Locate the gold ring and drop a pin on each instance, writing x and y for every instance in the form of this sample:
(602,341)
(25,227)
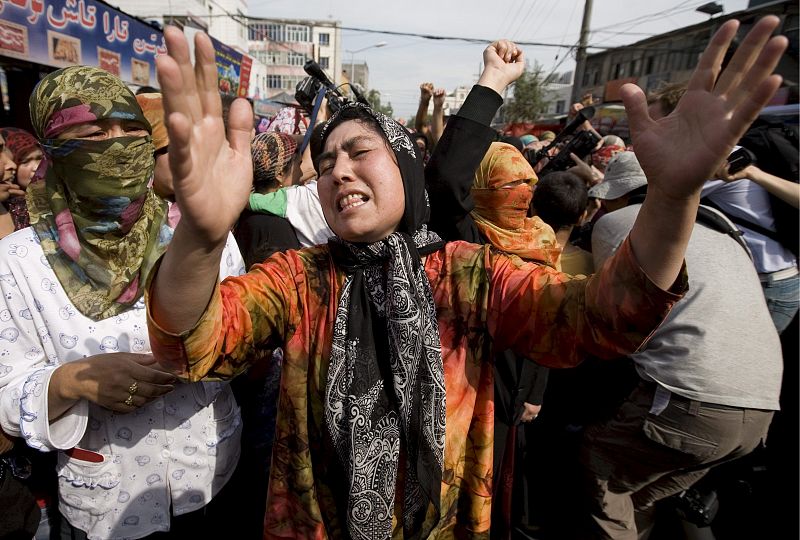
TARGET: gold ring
(129,401)
(132,389)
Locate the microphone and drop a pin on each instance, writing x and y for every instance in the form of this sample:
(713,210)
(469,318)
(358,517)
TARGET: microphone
(587,113)
(315,70)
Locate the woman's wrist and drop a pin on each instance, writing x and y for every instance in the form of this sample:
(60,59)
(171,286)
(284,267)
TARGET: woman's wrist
(64,384)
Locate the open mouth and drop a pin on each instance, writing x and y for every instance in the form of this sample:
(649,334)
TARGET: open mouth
(351,201)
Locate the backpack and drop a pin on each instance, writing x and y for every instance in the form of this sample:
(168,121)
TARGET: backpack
(775,145)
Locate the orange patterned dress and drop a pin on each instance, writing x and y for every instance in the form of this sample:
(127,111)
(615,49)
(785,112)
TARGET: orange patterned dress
(483,298)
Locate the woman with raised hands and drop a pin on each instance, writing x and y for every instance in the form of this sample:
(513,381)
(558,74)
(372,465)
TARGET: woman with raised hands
(385,413)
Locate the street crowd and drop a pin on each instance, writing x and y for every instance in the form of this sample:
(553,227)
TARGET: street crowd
(216,328)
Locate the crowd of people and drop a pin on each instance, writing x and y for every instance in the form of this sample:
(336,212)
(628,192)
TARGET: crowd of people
(368,332)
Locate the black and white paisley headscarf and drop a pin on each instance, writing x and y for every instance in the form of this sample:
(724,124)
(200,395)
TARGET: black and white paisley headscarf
(385,393)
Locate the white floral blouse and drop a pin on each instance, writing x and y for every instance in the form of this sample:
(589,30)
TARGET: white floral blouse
(177,451)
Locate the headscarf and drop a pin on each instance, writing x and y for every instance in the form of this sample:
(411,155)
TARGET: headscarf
(271,151)
(527,139)
(285,121)
(547,136)
(99,225)
(500,212)
(153,108)
(20,143)
(603,155)
(385,385)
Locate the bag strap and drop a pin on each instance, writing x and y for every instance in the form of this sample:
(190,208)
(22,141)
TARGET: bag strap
(755,227)
(713,220)
(719,223)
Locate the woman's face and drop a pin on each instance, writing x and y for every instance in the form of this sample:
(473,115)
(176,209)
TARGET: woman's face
(360,187)
(9,167)
(100,130)
(27,166)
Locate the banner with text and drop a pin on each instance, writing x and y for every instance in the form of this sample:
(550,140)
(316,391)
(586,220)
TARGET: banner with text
(64,33)
(233,67)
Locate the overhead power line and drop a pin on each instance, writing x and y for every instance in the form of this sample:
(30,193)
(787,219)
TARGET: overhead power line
(469,39)
(454,38)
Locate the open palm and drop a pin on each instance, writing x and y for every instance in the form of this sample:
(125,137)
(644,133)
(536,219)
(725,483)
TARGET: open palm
(212,174)
(680,151)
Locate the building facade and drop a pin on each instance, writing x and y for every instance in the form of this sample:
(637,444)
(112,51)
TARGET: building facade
(671,57)
(284,46)
(557,93)
(225,20)
(360,75)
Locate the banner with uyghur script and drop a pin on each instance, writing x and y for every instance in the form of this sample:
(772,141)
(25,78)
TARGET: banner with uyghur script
(64,33)
(233,67)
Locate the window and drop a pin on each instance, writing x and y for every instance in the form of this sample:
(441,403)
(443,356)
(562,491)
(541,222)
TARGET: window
(297,34)
(675,60)
(275,58)
(260,56)
(276,32)
(324,62)
(274,81)
(561,106)
(290,83)
(324,40)
(256,32)
(648,65)
(635,66)
(296,59)
(618,71)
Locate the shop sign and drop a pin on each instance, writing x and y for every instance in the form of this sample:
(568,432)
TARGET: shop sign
(233,67)
(62,33)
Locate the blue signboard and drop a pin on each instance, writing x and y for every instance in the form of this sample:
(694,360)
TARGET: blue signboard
(63,33)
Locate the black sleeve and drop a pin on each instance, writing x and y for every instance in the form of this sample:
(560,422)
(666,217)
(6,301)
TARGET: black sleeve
(451,170)
(533,382)
(261,235)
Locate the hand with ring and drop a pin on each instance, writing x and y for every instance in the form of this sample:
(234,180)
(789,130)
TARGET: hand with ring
(117,381)
(132,389)
(530,413)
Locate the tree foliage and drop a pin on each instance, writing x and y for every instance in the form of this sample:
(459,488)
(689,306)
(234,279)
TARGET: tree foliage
(374,98)
(529,101)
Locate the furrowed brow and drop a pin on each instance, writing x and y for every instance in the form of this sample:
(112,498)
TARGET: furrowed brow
(347,146)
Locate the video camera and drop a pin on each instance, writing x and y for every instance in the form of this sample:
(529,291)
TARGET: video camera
(581,145)
(307,90)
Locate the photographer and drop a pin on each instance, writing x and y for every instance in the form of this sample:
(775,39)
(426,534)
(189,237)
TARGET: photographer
(578,138)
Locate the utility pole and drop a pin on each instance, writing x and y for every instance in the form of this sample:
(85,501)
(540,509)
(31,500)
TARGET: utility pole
(580,57)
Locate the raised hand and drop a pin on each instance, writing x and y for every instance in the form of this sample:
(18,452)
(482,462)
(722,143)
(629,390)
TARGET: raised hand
(584,171)
(680,151)
(438,98)
(503,63)
(425,91)
(212,174)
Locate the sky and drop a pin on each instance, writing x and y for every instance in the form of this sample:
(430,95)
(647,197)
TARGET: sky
(398,68)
